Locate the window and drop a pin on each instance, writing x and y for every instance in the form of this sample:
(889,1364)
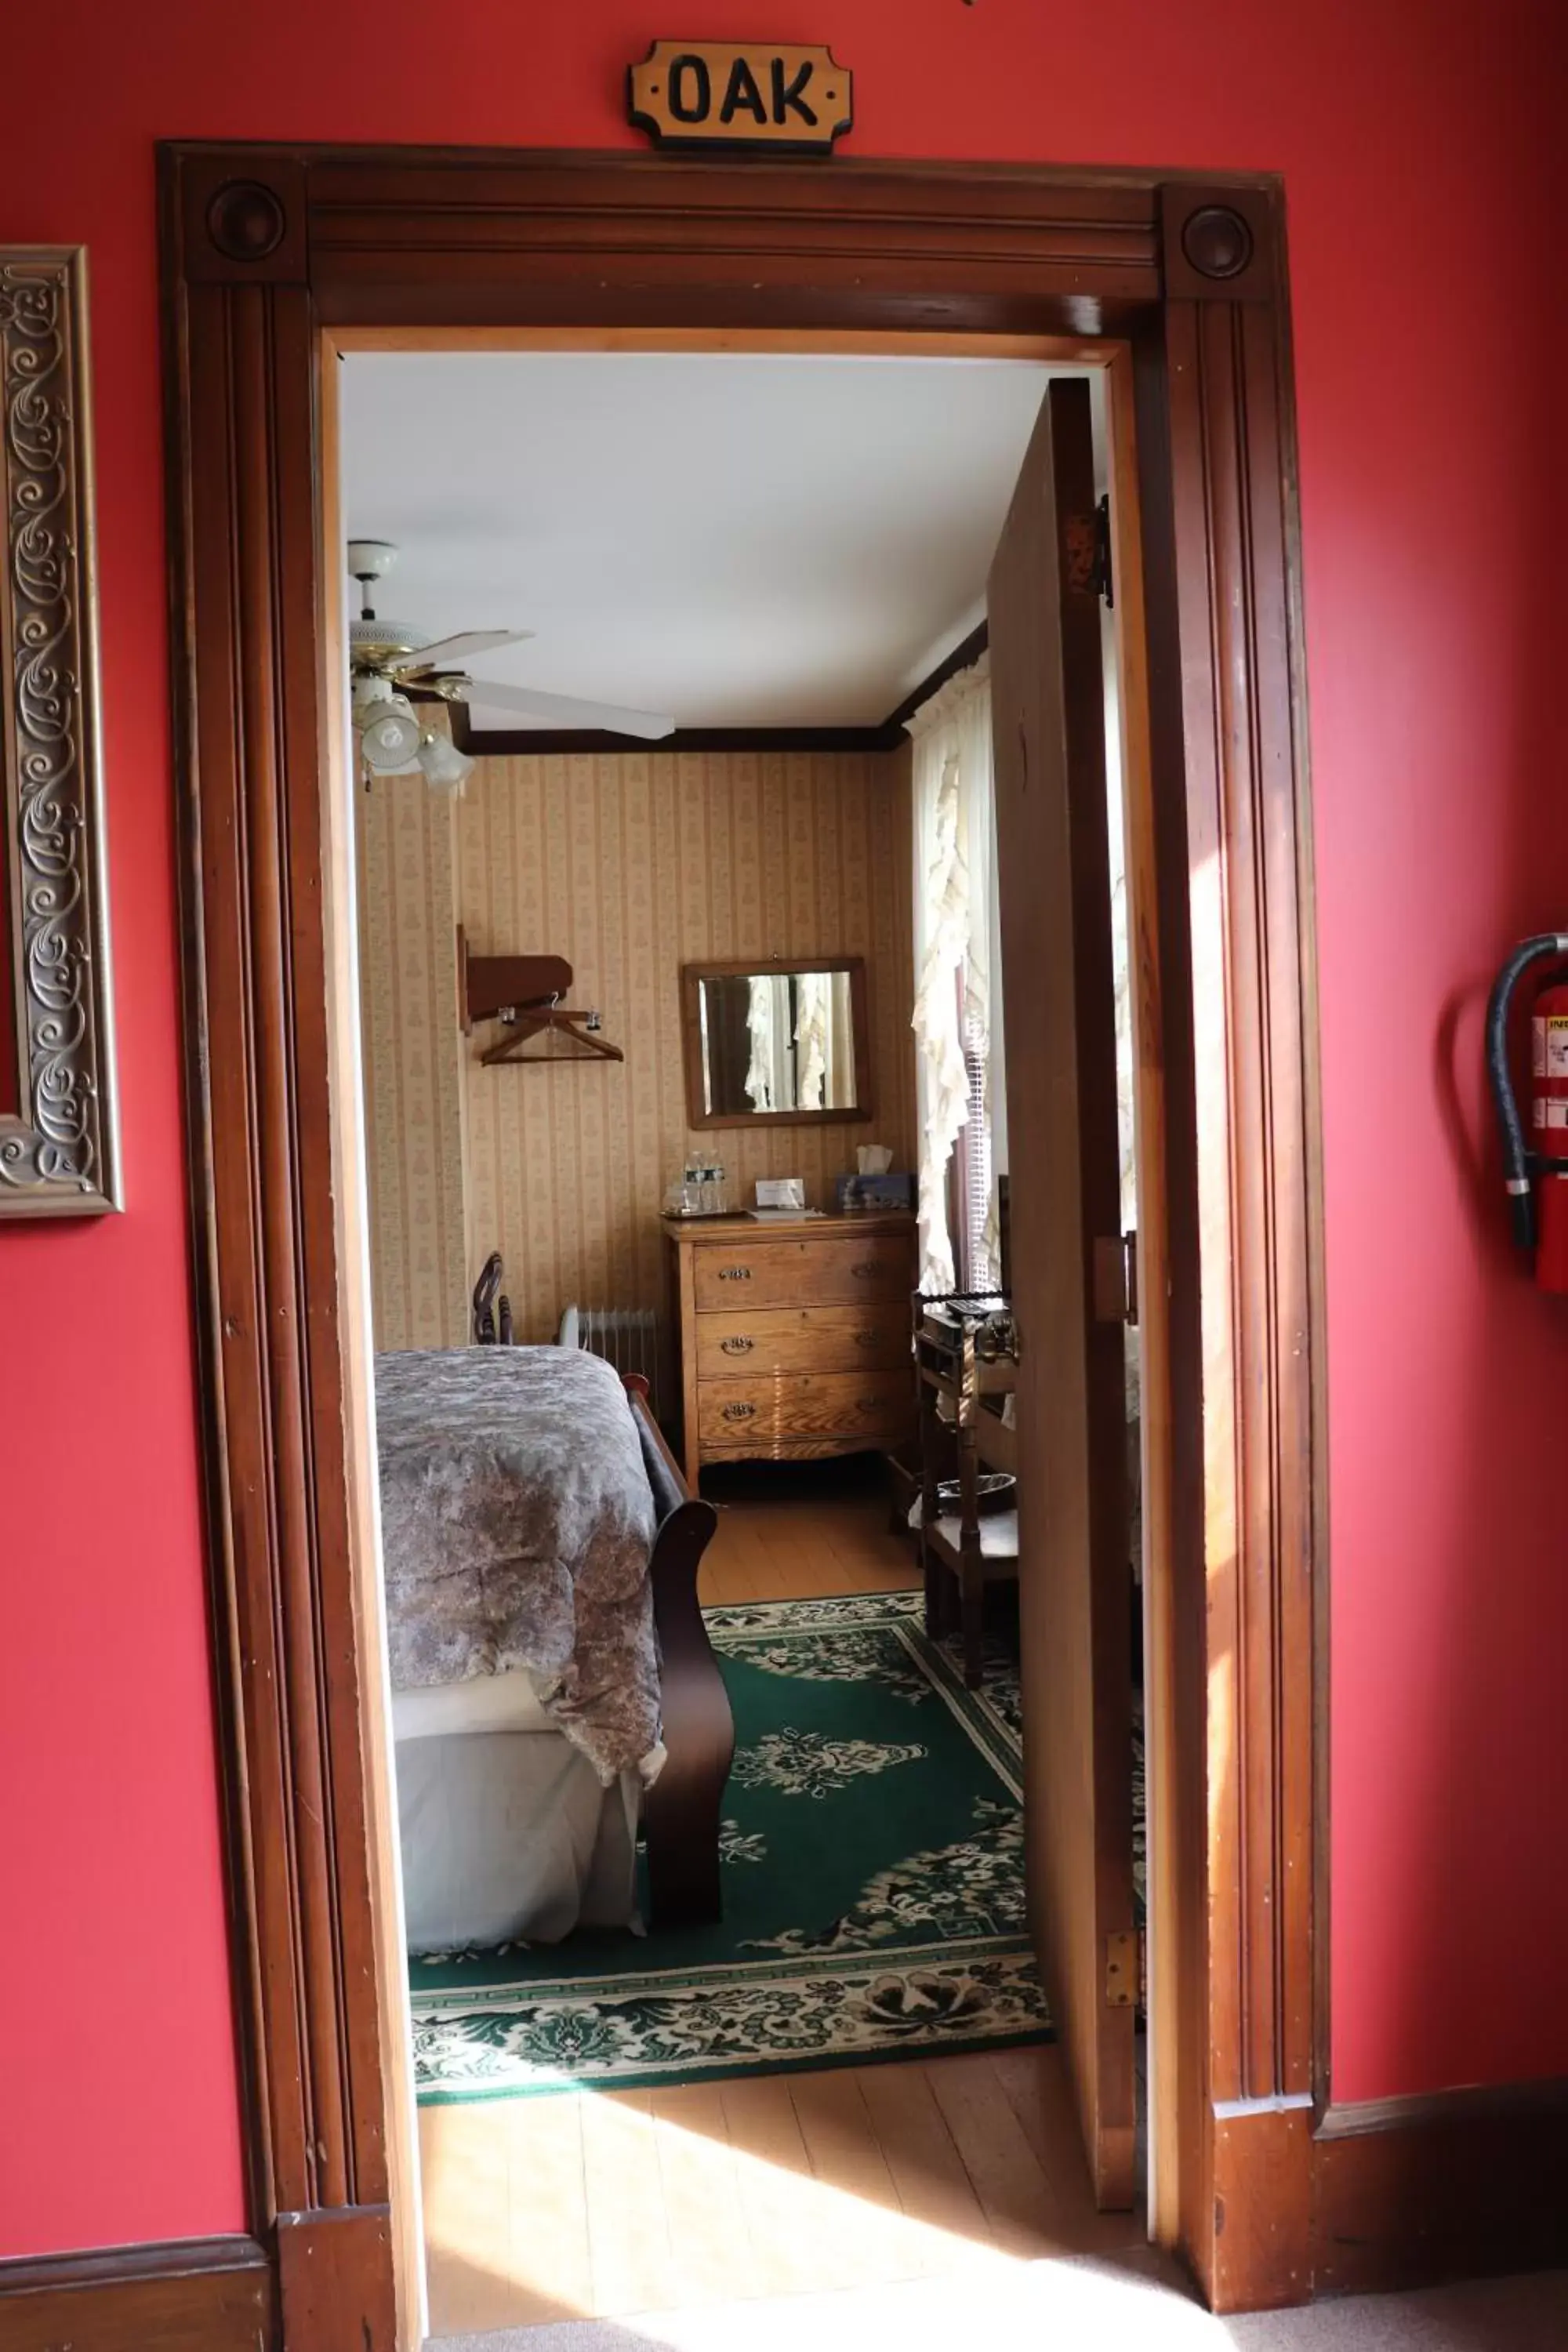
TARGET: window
(971,1204)
(954,948)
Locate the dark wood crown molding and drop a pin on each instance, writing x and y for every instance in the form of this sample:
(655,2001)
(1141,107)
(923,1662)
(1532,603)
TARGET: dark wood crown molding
(541,742)
(888,735)
(964,656)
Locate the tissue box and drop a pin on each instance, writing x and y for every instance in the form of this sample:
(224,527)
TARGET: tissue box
(890,1192)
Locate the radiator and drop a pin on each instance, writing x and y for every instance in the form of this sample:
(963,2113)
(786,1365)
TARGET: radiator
(630,1337)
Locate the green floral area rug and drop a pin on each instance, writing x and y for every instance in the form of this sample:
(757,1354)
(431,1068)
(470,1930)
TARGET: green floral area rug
(873,1870)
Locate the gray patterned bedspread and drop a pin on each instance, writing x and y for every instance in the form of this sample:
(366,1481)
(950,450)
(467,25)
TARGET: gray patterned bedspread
(517,1521)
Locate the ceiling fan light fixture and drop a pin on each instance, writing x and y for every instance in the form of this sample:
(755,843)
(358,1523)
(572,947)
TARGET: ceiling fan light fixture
(390,735)
(385,655)
(371,559)
(444,768)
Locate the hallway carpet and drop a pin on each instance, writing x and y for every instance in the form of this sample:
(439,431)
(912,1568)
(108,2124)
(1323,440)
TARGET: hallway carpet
(1131,2305)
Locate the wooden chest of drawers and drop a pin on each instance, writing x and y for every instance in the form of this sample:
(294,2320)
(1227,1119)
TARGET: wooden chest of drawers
(795,1338)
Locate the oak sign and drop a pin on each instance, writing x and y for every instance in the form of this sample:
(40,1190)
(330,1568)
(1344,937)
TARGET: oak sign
(735,94)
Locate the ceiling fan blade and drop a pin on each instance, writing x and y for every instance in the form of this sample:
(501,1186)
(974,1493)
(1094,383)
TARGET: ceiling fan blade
(564,710)
(455,649)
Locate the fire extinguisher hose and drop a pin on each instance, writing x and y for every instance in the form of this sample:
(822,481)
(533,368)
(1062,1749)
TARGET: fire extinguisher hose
(1516,1154)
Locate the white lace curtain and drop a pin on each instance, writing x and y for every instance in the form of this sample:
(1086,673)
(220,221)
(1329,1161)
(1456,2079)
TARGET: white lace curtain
(814,1041)
(818,1032)
(956,954)
(769,1083)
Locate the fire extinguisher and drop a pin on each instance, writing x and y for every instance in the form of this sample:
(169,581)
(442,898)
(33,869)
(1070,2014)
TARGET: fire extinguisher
(1536,1170)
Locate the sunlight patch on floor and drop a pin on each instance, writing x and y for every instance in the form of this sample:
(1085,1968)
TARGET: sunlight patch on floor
(601,2205)
(1065,2305)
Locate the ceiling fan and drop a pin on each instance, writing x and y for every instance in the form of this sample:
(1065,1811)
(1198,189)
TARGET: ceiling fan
(392,665)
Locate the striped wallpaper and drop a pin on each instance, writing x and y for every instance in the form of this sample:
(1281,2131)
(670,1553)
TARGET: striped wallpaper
(416,1146)
(630,866)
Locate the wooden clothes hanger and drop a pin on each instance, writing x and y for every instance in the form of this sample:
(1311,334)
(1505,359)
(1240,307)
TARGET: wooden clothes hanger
(525,993)
(550,1018)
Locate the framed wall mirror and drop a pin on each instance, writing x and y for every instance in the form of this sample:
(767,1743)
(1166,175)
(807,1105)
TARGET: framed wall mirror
(776,1040)
(57,1144)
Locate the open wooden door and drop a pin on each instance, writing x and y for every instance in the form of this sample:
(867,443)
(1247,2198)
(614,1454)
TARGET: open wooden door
(1067,1270)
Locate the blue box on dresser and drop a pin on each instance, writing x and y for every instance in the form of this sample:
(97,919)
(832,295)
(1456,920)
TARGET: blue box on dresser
(888,1192)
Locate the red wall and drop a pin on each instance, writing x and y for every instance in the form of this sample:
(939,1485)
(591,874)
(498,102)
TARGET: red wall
(1441,835)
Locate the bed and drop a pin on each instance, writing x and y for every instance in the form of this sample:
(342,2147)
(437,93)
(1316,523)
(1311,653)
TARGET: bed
(555,1693)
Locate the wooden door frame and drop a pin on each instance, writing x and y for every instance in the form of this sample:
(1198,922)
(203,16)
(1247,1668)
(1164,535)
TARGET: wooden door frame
(263,248)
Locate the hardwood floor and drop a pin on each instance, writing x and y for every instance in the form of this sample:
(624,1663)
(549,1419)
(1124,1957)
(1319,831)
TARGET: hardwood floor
(784,1534)
(613,2202)
(622,2201)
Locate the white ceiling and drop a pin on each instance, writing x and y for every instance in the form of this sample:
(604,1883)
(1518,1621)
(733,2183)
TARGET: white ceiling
(742,540)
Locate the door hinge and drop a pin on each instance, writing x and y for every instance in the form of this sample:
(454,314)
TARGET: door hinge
(1104,578)
(1116,1278)
(1123,1969)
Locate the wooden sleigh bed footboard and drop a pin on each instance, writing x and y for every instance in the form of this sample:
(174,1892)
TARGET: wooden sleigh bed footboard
(681,1811)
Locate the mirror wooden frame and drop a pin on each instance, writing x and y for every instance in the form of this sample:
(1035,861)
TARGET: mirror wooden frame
(692,976)
(60,1154)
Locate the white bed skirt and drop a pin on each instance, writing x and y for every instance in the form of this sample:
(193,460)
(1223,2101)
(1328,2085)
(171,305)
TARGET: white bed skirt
(507,1833)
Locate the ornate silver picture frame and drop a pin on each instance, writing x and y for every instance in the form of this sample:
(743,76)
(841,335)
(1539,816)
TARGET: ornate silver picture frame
(58,1144)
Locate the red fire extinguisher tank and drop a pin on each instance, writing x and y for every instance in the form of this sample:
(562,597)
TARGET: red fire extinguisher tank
(1549,1124)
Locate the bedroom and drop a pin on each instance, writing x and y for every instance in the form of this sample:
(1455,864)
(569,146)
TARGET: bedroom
(811,625)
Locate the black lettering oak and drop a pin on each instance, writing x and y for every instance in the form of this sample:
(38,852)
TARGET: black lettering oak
(776,96)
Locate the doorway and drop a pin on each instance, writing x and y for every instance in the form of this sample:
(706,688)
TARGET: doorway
(469,1159)
(264,252)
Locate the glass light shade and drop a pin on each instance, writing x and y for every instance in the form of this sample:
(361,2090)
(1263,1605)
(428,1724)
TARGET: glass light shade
(390,736)
(447,770)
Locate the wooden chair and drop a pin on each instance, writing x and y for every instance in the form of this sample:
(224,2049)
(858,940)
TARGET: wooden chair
(968,1365)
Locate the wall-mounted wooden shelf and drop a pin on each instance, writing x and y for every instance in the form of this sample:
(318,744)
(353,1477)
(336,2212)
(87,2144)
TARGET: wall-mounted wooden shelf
(524,992)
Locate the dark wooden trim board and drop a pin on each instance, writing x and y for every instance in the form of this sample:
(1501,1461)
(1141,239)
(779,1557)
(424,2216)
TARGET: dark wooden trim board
(243,357)
(962,656)
(514,742)
(1454,2185)
(1229,745)
(264,248)
(888,735)
(197,2295)
(335,2278)
(1476,2103)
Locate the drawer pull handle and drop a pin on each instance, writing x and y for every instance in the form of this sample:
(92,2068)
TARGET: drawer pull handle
(735,1274)
(864,1271)
(870,1404)
(737,1346)
(739,1411)
(867,1338)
